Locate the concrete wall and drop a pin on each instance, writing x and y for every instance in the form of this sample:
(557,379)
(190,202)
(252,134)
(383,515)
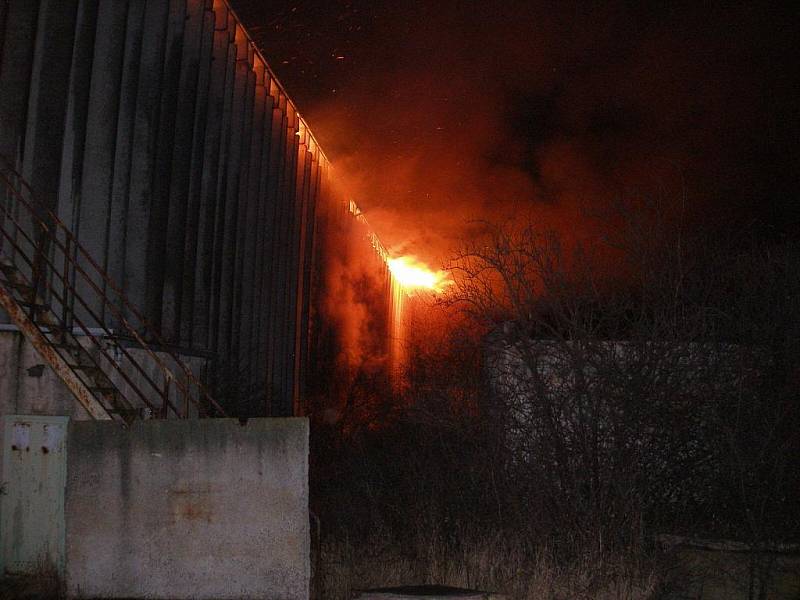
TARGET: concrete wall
(729,570)
(28,386)
(188,509)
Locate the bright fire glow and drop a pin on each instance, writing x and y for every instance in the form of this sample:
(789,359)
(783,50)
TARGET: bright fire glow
(412,274)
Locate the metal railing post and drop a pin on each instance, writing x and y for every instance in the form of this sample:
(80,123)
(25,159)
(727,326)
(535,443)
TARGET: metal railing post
(165,404)
(65,313)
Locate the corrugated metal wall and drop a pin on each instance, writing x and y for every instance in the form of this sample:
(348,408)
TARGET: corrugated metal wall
(160,136)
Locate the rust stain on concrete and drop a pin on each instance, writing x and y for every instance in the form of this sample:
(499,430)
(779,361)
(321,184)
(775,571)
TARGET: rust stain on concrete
(190,503)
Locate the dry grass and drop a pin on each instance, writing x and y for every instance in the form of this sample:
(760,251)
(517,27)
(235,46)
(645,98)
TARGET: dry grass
(486,562)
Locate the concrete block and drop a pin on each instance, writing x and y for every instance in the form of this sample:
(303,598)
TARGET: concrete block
(199,509)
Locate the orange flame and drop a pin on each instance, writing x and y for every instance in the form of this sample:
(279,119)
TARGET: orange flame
(415,275)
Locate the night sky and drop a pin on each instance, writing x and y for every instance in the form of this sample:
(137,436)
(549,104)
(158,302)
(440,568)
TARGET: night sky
(438,113)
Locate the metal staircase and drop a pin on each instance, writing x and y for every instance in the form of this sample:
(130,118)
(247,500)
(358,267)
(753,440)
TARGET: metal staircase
(80,322)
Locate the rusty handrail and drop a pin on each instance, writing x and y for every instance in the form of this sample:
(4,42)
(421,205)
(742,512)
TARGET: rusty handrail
(50,230)
(66,330)
(86,330)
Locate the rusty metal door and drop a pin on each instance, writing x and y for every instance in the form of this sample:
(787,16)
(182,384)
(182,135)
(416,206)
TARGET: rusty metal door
(32,505)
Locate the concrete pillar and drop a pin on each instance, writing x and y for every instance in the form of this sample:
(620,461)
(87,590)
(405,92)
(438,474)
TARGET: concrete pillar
(181,163)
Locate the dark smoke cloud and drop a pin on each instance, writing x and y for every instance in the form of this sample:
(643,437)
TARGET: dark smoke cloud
(437,113)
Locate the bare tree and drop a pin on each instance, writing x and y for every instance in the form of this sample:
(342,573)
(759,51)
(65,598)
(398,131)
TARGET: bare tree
(629,369)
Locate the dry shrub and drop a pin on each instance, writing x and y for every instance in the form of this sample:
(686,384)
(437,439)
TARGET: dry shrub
(488,561)
(664,401)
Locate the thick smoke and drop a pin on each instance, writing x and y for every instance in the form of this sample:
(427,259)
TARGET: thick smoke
(355,302)
(439,113)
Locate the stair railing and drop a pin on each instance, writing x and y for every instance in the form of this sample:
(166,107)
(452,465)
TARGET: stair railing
(54,271)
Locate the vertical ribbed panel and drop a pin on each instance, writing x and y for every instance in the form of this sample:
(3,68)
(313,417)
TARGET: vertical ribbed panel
(204,127)
(241,234)
(268,288)
(308,289)
(182,145)
(77,108)
(44,129)
(218,95)
(275,279)
(143,153)
(221,194)
(163,168)
(229,215)
(19,41)
(93,207)
(45,114)
(123,154)
(304,165)
(249,226)
(286,275)
(260,259)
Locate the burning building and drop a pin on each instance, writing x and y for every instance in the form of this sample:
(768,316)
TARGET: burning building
(168,216)
(173,245)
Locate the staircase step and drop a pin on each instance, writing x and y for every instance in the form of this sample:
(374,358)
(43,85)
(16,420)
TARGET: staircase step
(99,377)
(88,368)
(131,412)
(104,390)
(54,329)
(128,415)
(39,306)
(66,345)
